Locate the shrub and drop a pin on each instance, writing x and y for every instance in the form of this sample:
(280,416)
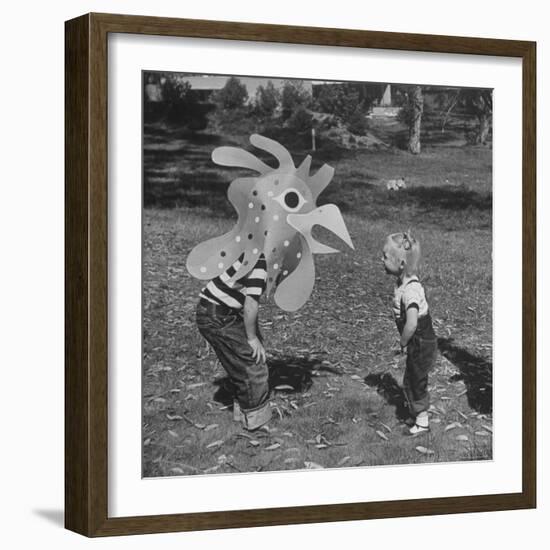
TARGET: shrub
(300,121)
(232,96)
(180,105)
(346,102)
(357,123)
(293,96)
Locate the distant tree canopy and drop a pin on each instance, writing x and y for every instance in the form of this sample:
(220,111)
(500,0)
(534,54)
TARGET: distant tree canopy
(179,105)
(349,101)
(267,100)
(294,95)
(232,96)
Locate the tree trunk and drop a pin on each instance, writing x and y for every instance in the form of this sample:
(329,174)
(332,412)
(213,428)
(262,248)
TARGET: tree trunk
(484,126)
(417,107)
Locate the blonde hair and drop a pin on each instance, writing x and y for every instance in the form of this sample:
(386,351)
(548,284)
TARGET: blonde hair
(407,249)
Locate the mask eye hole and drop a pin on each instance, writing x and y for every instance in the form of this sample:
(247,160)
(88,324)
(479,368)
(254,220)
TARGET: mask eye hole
(291,200)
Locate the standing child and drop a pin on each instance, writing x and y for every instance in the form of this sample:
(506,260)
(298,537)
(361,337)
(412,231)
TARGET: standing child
(401,256)
(227,317)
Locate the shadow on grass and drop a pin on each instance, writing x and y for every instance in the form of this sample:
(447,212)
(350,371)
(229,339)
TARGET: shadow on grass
(386,385)
(205,190)
(476,372)
(450,198)
(284,370)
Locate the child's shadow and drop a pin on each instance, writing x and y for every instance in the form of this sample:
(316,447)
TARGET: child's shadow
(476,372)
(284,370)
(386,385)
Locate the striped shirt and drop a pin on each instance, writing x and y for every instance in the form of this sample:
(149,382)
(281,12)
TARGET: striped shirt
(221,290)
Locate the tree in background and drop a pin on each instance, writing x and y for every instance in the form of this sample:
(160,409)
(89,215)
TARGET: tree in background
(232,96)
(411,115)
(267,100)
(476,102)
(300,121)
(417,108)
(294,95)
(479,102)
(349,101)
(177,105)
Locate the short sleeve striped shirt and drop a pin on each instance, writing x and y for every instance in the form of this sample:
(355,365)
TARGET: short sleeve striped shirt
(221,290)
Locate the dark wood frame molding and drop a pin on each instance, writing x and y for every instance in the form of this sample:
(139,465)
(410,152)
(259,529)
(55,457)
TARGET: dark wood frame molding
(86,274)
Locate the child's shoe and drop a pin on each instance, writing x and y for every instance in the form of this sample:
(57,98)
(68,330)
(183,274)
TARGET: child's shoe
(421,424)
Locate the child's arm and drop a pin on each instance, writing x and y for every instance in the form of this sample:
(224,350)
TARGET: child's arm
(250,315)
(410,326)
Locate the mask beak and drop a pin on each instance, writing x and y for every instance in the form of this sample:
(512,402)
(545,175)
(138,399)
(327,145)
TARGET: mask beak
(329,217)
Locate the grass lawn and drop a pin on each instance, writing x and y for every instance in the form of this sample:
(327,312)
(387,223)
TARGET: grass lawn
(334,370)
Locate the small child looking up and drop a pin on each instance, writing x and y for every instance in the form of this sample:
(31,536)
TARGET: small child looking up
(401,256)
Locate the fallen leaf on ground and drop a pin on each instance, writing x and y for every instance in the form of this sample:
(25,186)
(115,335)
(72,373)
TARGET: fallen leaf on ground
(313,466)
(452,426)
(217,443)
(273,447)
(342,461)
(176,470)
(254,442)
(172,433)
(283,387)
(382,435)
(424,450)
(461,437)
(174,417)
(210,427)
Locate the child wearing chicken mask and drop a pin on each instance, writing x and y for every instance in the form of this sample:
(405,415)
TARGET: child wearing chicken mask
(269,250)
(400,257)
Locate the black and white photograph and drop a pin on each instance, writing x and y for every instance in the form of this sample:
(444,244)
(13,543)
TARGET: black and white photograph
(317,274)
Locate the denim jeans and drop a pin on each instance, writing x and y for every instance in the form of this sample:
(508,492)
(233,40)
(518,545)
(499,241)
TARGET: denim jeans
(421,355)
(225,332)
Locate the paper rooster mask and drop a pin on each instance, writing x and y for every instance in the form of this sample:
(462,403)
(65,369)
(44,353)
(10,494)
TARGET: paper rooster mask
(276,213)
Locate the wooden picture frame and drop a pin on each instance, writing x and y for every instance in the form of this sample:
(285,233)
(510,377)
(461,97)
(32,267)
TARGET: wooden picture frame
(86,283)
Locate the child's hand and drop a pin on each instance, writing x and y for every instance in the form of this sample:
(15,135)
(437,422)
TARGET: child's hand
(397,350)
(258,351)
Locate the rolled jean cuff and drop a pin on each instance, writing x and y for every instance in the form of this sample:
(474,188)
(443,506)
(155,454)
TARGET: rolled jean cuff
(258,416)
